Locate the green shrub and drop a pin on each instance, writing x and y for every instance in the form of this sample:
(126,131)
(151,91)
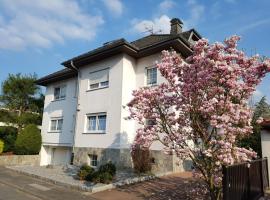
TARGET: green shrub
(93,177)
(105,177)
(8,134)
(28,141)
(2,145)
(87,168)
(85,171)
(104,174)
(82,174)
(141,160)
(109,167)
(100,177)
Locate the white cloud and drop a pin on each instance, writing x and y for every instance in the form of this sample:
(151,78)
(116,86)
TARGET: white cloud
(257,95)
(253,25)
(166,5)
(196,13)
(157,25)
(40,24)
(114,6)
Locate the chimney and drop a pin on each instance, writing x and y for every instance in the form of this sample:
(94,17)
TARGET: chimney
(176,26)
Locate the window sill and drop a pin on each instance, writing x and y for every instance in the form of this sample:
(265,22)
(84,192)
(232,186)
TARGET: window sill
(94,132)
(152,85)
(54,131)
(58,99)
(89,90)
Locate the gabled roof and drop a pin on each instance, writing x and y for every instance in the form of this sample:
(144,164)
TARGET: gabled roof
(139,48)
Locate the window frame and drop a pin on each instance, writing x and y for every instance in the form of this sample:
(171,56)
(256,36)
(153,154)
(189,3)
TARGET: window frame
(57,119)
(96,115)
(91,160)
(150,122)
(99,83)
(146,76)
(60,90)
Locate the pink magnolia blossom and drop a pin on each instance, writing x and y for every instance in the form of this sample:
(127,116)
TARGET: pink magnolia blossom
(204,100)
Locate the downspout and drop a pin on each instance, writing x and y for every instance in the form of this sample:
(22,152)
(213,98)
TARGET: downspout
(77,108)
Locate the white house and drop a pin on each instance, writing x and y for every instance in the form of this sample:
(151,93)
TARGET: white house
(83,120)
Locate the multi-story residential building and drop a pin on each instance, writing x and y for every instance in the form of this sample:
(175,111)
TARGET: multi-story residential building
(83,118)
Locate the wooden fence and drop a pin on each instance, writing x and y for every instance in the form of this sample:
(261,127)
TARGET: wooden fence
(245,181)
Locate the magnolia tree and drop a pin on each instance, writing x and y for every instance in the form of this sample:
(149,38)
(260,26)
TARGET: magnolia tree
(202,109)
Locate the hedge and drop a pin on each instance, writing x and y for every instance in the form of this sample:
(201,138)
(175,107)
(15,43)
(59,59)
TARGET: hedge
(28,141)
(8,134)
(1,146)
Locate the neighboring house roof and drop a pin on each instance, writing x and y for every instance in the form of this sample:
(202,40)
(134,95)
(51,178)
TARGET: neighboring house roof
(265,124)
(142,47)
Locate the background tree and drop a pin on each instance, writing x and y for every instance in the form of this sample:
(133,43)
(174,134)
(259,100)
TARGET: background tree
(261,109)
(22,99)
(202,108)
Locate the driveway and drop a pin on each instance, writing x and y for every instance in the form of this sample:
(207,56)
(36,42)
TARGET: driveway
(21,187)
(173,187)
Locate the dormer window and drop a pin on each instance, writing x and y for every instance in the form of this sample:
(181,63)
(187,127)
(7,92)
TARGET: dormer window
(60,92)
(151,76)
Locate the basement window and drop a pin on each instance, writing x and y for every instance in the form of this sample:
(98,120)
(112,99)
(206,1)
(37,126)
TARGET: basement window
(93,160)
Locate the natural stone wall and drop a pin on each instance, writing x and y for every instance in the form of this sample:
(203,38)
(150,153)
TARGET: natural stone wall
(122,159)
(19,160)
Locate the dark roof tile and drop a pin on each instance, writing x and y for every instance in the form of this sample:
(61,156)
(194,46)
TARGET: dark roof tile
(114,47)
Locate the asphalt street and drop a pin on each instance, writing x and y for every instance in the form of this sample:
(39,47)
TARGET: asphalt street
(15,186)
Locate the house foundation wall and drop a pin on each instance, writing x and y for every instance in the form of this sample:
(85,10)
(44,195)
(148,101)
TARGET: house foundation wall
(163,163)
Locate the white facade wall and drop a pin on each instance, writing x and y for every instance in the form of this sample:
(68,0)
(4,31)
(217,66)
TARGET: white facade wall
(142,64)
(65,108)
(106,100)
(125,75)
(128,85)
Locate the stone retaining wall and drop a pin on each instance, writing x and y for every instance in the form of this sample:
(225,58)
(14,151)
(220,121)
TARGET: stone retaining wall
(163,163)
(11,160)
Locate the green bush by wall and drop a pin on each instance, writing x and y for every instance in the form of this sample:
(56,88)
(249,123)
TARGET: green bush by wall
(1,146)
(28,141)
(8,134)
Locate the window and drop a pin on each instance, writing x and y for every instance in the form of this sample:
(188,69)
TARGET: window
(99,79)
(150,122)
(96,123)
(56,124)
(93,160)
(151,76)
(59,92)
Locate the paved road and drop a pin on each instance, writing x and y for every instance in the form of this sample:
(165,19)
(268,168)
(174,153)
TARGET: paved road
(15,186)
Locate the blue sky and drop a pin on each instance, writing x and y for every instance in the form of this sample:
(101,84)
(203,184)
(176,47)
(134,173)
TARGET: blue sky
(37,35)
